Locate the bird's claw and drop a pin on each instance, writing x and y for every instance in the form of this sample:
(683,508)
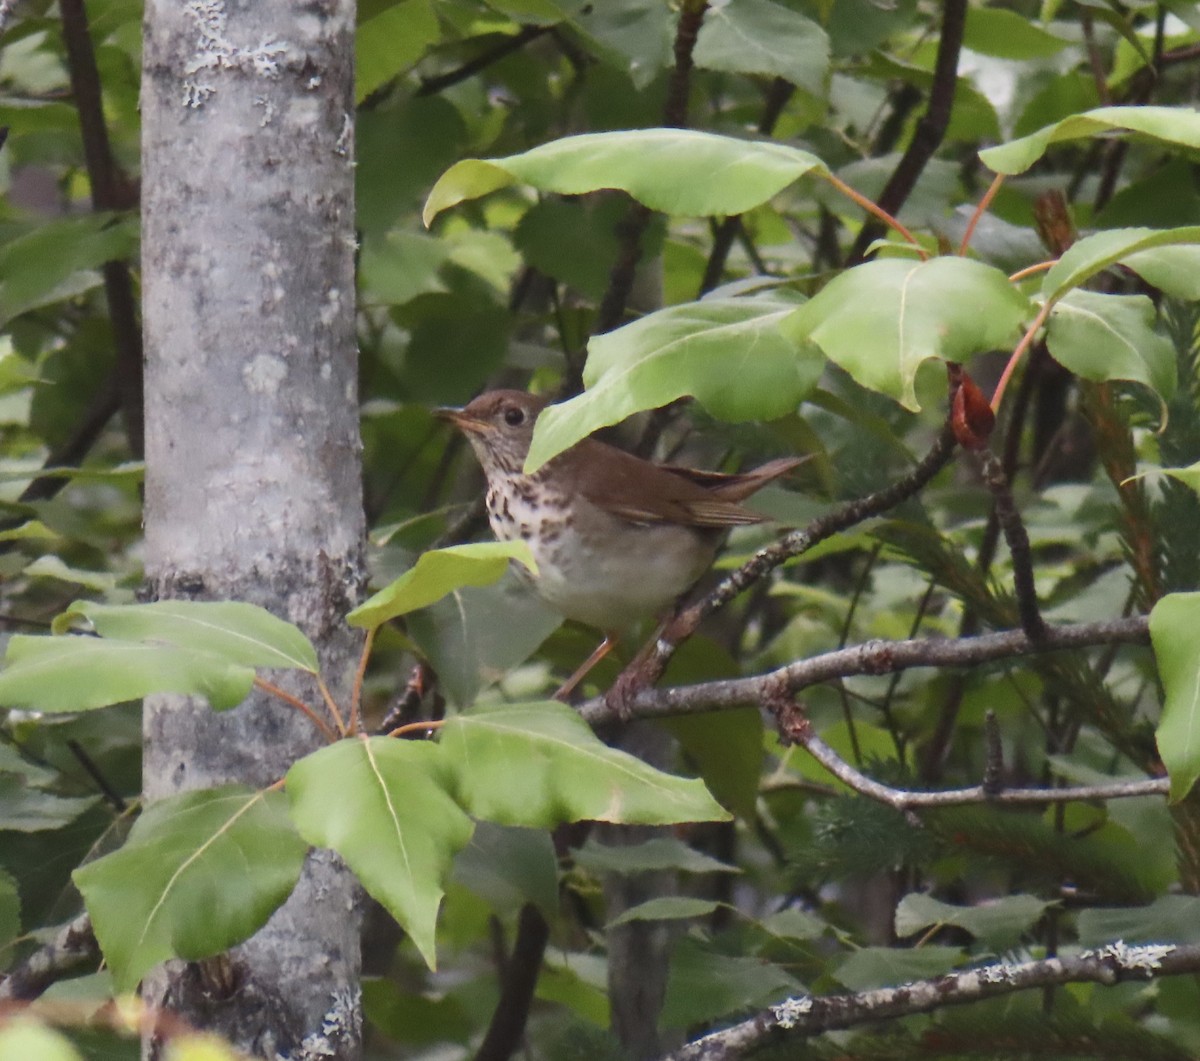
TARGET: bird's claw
(622,693)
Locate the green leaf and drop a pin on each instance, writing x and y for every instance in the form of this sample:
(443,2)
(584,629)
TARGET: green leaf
(476,635)
(1102,337)
(391,42)
(1169,919)
(396,267)
(666,908)
(232,630)
(31,530)
(201,1046)
(726,749)
(80,673)
(1189,476)
(10,916)
(566,773)
(200,872)
(380,804)
(661,852)
(1097,252)
(415,1020)
(881,320)
(704,984)
(793,923)
(579,982)
(695,350)
(594,224)
(509,867)
(1173,624)
(27,809)
(1009,35)
(529,12)
(53,567)
(437,573)
(871,967)
(630,36)
(1173,270)
(58,259)
(725,175)
(23,1038)
(761,37)
(999,922)
(1174,126)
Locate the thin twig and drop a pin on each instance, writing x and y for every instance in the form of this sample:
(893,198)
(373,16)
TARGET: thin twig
(933,753)
(1019,549)
(359,674)
(632,227)
(877,210)
(904,799)
(1095,59)
(104,405)
(777,97)
(1015,359)
(993,770)
(430,86)
(109,192)
(1031,270)
(650,663)
(298,704)
(331,703)
(980,210)
(114,798)
(420,678)
(417,727)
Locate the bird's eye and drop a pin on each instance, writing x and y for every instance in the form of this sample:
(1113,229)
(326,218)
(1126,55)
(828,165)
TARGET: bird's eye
(514,416)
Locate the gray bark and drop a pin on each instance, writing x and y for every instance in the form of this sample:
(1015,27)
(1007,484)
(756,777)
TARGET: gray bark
(639,952)
(252,446)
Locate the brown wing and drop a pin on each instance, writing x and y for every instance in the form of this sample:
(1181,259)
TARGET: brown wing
(739,485)
(642,492)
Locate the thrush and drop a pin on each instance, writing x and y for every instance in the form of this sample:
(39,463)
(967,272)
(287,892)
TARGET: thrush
(616,538)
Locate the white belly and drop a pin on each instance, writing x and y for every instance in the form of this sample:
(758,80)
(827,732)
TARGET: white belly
(611,575)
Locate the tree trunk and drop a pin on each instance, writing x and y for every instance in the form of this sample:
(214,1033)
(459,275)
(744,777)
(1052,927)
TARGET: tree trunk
(252,446)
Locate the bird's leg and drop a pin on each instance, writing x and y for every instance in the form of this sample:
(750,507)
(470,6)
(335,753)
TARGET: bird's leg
(602,650)
(632,680)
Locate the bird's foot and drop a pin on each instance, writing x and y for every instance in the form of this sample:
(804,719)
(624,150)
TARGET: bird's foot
(623,692)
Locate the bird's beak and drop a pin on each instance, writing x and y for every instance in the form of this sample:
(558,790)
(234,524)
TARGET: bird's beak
(460,419)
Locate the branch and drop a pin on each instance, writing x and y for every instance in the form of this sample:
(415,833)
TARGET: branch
(430,86)
(806,1015)
(507,1026)
(795,728)
(931,129)
(633,226)
(73,948)
(114,798)
(777,97)
(109,192)
(105,404)
(933,754)
(871,657)
(650,663)
(1019,550)
(675,107)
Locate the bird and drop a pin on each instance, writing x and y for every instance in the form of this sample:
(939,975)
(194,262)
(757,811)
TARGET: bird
(616,539)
